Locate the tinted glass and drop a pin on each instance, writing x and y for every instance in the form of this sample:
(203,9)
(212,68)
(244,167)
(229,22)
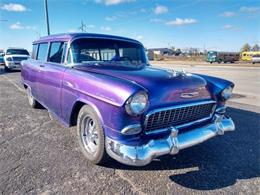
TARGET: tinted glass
(34,51)
(17,52)
(57,52)
(42,52)
(107,50)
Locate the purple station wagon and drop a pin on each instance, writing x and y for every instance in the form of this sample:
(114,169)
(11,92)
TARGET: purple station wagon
(123,107)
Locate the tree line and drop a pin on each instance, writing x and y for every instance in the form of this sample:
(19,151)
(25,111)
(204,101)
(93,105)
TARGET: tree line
(247,47)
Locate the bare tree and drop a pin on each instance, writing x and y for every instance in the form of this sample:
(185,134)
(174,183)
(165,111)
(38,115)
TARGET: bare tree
(246,47)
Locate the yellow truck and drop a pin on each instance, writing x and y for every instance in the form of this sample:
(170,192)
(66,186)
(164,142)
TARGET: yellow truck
(247,55)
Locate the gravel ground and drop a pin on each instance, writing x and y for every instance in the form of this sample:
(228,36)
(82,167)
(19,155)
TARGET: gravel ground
(39,156)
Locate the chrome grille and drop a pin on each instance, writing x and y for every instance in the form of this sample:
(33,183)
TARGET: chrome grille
(178,115)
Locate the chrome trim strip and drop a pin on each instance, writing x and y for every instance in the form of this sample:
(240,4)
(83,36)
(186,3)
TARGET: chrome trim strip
(179,106)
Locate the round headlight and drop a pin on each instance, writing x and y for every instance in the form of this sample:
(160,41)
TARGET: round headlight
(9,59)
(226,93)
(137,104)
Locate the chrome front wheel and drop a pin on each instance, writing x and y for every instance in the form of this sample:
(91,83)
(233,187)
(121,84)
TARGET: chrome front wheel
(91,135)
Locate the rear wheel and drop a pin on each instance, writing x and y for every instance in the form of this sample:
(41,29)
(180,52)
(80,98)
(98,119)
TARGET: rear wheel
(32,102)
(91,136)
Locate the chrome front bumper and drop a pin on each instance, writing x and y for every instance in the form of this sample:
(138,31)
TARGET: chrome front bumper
(144,154)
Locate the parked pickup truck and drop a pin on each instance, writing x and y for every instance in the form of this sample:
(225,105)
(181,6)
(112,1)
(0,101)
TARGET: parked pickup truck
(123,107)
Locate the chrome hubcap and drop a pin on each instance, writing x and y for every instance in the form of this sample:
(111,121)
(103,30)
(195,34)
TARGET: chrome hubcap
(89,134)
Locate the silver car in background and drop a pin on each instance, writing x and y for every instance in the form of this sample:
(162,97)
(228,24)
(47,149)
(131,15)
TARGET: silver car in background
(256,58)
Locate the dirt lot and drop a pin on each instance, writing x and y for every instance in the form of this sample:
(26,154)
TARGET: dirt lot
(39,156)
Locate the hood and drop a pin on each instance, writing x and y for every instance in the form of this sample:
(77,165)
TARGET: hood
(163,87)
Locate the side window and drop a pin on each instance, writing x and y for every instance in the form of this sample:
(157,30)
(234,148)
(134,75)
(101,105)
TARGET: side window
(34,51)
(57,51)
(42,51)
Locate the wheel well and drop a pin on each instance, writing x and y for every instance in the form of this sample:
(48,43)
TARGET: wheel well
(75,112)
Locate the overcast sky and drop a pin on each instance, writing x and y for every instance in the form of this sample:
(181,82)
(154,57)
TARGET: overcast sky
(211,24)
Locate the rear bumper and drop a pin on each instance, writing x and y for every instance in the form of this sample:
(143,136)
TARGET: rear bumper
(144,154)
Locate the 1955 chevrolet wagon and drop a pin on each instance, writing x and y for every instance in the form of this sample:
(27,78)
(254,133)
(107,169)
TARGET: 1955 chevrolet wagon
(123,107)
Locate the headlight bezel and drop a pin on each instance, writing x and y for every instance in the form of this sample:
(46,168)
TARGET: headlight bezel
(129,104)
(226,93)
(9,59)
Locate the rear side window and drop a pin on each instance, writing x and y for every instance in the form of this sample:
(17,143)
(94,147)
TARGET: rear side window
(34,51)
(42,51)
(57,51)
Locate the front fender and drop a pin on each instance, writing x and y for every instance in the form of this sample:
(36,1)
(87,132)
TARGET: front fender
(107,96)
(216,85)
(92,105)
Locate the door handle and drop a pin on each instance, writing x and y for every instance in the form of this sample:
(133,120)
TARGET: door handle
(41,65)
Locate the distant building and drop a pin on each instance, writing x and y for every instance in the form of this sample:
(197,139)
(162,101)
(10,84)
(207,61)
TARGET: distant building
(157,53)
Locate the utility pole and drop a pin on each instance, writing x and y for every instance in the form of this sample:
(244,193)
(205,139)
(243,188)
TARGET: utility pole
(47,16)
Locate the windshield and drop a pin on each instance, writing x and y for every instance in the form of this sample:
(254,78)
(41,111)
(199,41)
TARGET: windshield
(107,50)
(17,52)
(212,54)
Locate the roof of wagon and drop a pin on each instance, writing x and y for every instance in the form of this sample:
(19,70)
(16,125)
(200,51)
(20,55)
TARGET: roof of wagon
(70,36)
